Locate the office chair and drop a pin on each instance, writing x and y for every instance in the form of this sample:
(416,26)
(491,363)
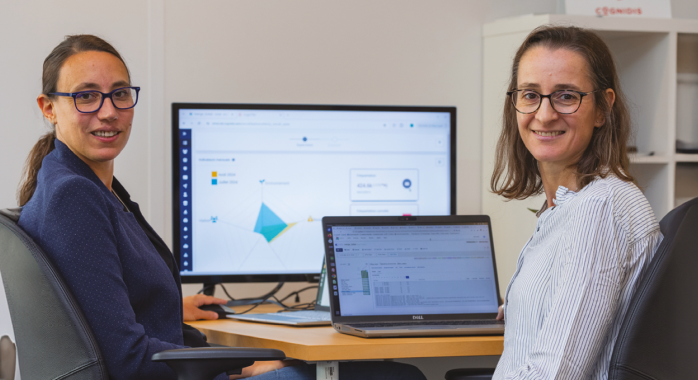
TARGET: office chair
(659,333)
(53,338)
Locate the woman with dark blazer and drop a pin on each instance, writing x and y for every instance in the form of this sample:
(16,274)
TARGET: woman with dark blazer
(122,274)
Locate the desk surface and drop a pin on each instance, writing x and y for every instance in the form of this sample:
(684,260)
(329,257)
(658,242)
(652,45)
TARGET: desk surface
(323,343)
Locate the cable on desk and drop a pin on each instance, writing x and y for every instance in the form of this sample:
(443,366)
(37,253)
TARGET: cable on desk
(300,306)
(266,296)
(297,293)
(262,302)
(303,306)
(226,292)
(272,294)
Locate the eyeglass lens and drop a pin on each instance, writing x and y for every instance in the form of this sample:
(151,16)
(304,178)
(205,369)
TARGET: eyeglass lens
(90,101)
(562,101)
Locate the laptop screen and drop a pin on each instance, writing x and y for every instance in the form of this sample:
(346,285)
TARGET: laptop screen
(380,270)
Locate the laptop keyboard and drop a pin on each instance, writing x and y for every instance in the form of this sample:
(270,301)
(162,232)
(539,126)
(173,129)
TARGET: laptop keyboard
(473,322)
(298,316)
(310,314)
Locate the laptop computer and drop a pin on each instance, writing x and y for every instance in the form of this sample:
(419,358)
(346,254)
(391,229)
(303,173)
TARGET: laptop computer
(412,275)
(318,317)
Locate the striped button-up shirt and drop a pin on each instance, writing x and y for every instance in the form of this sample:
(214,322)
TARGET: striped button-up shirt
(574,280)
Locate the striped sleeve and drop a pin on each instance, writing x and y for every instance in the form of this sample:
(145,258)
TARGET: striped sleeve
(585,295)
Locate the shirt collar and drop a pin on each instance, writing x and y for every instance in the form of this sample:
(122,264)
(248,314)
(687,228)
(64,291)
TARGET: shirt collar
(563,195)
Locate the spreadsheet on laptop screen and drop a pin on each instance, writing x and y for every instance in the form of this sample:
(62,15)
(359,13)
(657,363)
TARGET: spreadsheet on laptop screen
(421,269)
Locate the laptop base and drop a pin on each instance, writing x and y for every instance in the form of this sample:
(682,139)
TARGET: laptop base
(416,331)
(291,318)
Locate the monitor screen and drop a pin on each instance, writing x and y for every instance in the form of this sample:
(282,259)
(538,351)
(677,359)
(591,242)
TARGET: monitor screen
(251,183)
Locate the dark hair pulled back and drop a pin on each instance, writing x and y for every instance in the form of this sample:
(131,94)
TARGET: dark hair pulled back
(53,63)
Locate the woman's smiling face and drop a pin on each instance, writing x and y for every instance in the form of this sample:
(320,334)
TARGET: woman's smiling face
(552,138)
(98,137)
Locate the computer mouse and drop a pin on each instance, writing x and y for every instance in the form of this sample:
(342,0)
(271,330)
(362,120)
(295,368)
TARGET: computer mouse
(222,314)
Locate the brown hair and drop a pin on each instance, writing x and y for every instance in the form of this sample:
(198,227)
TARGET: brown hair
(516,174)
(70,46)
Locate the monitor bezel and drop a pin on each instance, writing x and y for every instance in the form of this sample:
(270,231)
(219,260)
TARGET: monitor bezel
(303,277)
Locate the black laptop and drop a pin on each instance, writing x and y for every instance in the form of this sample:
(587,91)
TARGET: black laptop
(412,275)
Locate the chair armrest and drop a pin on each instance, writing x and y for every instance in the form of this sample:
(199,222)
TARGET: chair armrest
(470,374)
(208,362)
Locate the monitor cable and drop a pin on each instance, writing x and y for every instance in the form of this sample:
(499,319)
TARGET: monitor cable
(255,302)
(266,299)
(245,301)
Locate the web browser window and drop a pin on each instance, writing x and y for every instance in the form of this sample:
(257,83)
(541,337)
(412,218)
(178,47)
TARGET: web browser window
(255,184)
(394,270)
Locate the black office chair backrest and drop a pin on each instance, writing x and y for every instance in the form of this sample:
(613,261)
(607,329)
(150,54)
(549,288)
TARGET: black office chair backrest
(53,338)
(659,334)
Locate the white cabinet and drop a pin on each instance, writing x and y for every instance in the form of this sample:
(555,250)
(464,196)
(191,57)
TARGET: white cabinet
(650,55)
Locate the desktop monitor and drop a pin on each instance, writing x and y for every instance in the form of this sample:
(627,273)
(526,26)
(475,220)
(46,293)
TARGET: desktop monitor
(251,182)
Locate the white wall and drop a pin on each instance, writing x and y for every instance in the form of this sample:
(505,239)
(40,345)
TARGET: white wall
(411,52)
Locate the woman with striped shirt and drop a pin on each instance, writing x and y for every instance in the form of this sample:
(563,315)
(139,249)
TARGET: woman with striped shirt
(565,130)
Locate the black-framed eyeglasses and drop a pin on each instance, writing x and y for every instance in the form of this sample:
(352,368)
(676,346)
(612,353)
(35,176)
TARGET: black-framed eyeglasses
(91,101)
(562,101)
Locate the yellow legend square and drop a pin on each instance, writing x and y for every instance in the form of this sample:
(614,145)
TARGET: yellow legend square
(214,174)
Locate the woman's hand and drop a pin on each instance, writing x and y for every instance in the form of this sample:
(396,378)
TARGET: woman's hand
(191,311)
(500,313)
(259,368)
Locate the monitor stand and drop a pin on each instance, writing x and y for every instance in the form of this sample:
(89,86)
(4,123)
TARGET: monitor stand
(210,289)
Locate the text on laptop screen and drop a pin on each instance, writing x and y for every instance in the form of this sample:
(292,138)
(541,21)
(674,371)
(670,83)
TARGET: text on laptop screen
(252,186)
(397,270)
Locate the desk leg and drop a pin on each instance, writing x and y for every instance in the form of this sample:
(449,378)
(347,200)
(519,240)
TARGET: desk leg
(327,370)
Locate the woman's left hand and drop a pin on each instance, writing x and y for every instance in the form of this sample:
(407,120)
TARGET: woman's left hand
(259,368)
(500,313)
(191,311)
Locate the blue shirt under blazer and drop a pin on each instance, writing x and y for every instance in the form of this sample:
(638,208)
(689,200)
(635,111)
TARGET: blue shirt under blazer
(130,297)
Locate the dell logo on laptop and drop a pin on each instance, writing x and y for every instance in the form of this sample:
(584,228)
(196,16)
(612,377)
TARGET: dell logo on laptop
(417,317)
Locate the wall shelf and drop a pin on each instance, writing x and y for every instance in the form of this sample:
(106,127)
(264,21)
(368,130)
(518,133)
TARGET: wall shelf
(686,157)
(645,159)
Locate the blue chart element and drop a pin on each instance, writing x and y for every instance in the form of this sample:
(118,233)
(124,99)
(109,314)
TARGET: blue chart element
(269,224)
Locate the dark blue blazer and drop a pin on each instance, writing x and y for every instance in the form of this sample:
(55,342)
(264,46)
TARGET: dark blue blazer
(131,299)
